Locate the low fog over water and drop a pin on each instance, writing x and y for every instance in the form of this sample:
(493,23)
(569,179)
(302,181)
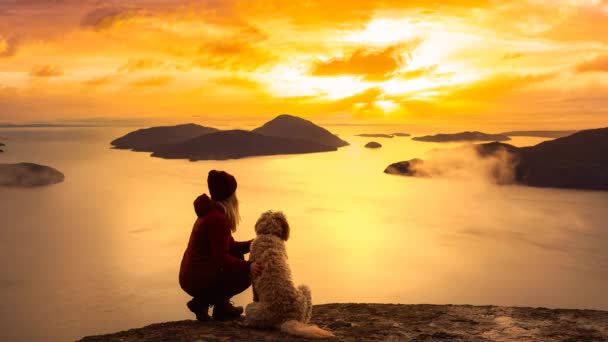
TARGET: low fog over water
(101,251)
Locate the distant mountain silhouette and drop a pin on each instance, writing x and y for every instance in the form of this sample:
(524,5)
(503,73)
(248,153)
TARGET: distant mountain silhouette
(285,134)
(148,139)
(401,135)
(293,127)
(373,144)
(540,134)
(463,136)
(578,161)
(379,135)
(236,144)
(28,175)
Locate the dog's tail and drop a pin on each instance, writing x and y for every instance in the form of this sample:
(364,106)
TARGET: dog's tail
(297,328)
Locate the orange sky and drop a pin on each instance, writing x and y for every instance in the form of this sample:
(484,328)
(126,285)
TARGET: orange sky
(522,64)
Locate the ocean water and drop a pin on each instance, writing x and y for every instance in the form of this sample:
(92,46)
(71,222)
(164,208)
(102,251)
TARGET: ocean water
(100,252)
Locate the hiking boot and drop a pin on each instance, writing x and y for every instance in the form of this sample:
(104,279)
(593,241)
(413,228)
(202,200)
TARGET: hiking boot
(201,310)
(226,311)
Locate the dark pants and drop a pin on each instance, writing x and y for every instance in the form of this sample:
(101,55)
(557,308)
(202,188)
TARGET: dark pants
(229,283)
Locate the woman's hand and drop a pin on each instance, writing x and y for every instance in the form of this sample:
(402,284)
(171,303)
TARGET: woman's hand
(256,269)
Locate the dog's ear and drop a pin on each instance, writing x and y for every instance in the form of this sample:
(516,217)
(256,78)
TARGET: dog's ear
(280,218)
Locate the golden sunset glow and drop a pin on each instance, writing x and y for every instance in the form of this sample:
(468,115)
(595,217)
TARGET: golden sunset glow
(489,62)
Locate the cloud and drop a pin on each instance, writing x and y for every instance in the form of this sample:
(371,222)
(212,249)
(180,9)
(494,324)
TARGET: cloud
(329,14)
(100,81)
(371,64)
(135,64)
(46,70)
(237,82)
(512,55)
(599,63)
(8,47)
(495,87)
(232,55)
(236,49)
(417,73)
(467,162)
(106,17)
(153,81)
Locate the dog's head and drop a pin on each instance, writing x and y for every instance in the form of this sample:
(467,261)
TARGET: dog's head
(273,222)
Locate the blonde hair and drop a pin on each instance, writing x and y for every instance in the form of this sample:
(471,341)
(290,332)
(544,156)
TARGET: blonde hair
(230,206)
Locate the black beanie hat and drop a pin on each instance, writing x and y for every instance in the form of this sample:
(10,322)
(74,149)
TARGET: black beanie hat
(221,185)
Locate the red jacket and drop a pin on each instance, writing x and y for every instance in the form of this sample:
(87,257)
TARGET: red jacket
(210,249)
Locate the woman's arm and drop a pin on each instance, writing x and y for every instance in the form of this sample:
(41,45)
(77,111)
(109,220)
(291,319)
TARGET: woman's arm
(240,247)
(219,244)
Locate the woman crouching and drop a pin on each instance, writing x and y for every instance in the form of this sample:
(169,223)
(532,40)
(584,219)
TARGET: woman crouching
(213,268)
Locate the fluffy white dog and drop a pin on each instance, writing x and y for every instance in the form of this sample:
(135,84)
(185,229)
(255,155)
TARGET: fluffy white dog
(277,302)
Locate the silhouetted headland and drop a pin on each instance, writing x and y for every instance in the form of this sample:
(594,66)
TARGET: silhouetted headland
(285,134)
(395,322)
(373,135)
(463,136)
(540,134)
(373,144)
(28,175)
(578,161)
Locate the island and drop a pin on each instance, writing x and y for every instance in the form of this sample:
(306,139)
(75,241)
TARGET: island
(28,175)
(463,136)
(401,135)
(398,322)
(236,144)
(285,134)
(578,161)
(539,134)
(373,144)
(366,135)
(148,139)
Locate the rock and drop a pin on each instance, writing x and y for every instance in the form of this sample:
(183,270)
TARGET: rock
(463,136)
(396,322)
(541,134)
(148,139)
(28,175)
(293,127)
(375,135)
(401,135)
(405,168)
(236,144)
(373,144)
